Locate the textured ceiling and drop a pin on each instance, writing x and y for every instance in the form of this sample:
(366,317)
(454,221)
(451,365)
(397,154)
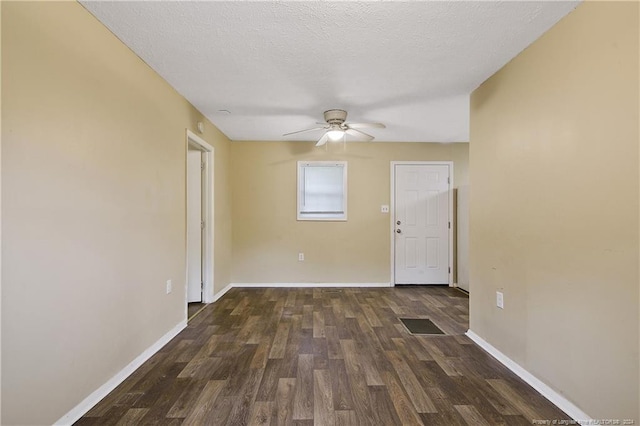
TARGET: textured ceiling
(276,66)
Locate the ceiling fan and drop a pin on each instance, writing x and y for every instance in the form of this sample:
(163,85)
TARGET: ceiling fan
(336,128)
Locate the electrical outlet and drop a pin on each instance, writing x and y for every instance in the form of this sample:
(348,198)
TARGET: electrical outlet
(499,300)
(301,257)
(384,208)
(168,286)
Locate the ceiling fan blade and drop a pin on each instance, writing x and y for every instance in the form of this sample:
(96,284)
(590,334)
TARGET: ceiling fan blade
(305,130)
(358,134)
(365,125)
(323,140)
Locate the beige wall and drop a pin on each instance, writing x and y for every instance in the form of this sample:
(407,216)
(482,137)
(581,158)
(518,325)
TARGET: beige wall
(93,207)
(554,209)
(267,237)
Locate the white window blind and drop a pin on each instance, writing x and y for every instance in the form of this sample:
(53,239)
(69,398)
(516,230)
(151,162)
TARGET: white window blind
(322,190)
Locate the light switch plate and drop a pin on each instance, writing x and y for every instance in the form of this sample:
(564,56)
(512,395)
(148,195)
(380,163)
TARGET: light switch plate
(384,208)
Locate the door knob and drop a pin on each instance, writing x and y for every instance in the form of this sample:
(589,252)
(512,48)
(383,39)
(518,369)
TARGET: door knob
(398,222)
(399,231)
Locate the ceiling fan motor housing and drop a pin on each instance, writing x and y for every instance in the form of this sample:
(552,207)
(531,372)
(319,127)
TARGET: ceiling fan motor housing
(335,116)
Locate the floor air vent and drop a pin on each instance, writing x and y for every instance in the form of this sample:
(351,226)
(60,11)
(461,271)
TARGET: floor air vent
(421,326)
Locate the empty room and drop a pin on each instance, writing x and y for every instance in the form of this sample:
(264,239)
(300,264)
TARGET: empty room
(320,213)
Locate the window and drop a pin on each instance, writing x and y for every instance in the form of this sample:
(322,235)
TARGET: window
(322,190)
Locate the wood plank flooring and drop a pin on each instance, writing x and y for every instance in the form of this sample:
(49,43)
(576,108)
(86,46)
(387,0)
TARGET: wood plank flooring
(324,357)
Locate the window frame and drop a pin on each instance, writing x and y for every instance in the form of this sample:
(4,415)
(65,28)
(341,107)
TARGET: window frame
(322,217)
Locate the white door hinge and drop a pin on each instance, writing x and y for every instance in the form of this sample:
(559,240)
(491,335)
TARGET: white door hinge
(202,165)
(202,224)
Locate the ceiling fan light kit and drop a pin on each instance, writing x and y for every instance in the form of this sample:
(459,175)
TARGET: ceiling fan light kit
(337,129)
(335,134)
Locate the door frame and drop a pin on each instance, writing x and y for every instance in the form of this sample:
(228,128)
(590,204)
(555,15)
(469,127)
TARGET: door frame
(207,214)
(392,212)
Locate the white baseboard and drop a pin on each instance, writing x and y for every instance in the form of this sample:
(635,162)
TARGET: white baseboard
(95,397)
(221,293)
(558,400)
(308,285)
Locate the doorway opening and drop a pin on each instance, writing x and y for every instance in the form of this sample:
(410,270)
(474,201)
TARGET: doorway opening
(421,223)
(199,229)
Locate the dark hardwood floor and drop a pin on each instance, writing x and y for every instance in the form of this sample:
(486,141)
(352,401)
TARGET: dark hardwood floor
(324,357)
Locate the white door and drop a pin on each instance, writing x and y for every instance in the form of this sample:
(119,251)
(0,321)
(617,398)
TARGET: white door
(194,225)
(421,224)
